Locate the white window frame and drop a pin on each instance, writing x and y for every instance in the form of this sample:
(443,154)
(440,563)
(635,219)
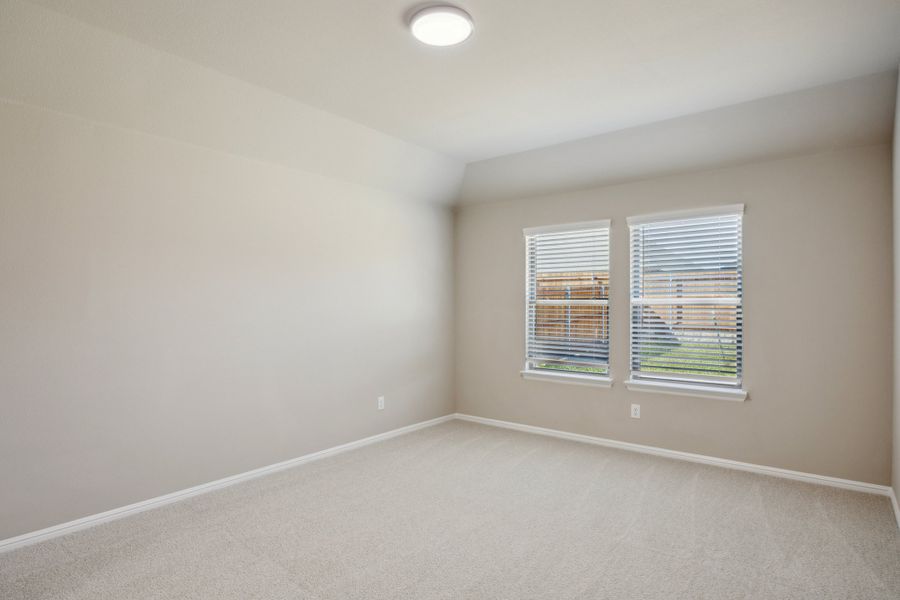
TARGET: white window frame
(576,378)
(693,385)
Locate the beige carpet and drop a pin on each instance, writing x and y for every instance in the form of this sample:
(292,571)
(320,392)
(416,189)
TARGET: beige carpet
(466,511)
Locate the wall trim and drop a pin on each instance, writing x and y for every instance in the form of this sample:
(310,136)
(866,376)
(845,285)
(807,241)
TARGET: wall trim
(144,505)
(847,484)
(895,505)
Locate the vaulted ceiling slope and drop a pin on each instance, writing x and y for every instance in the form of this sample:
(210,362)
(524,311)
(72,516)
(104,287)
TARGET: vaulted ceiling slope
(855,112)
(55,62)
(535,73)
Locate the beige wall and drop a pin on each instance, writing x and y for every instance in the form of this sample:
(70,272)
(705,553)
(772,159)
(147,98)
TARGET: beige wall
(199,276)
(818,297)
(896,461)
(170,315)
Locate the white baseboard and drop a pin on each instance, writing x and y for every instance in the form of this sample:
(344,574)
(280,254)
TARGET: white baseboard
(847,484)
(137,507)
(896,506)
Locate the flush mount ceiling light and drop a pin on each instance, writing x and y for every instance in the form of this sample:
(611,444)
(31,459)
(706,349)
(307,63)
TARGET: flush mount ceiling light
(441,25)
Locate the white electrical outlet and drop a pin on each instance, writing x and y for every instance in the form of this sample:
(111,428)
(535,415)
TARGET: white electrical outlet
(635,411)
(380,402)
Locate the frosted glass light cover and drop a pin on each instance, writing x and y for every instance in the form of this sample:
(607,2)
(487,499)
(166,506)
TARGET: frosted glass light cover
(441,25)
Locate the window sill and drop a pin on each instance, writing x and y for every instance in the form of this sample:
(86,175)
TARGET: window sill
(687,389)
(572,378)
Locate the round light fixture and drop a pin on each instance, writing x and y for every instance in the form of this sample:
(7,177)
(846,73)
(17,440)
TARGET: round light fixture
(441,25)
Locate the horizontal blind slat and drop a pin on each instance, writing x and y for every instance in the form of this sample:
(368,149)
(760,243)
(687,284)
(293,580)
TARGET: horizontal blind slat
(686,299)
(567,292)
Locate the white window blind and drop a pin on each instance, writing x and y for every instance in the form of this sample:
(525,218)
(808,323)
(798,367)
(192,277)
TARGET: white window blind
(567,298)
(686,297)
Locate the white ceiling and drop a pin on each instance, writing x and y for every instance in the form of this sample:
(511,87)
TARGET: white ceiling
(534,73)
(855,112)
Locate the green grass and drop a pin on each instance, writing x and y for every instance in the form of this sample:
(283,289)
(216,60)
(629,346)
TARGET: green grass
(574,368)
(693,359)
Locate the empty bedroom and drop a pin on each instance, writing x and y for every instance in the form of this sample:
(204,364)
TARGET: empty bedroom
(464,299)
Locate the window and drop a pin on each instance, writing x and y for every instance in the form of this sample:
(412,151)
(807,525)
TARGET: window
(687,301)
(567,300)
